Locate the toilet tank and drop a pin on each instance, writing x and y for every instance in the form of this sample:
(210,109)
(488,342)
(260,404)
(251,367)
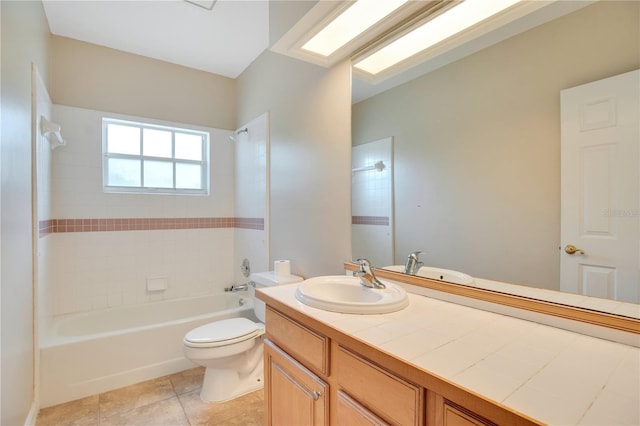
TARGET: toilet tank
(268,279)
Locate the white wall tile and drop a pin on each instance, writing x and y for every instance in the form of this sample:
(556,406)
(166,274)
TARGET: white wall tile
(111,268)
(97,270)
(251,195)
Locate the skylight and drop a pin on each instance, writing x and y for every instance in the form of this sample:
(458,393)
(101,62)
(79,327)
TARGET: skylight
(451,22)
(349,24)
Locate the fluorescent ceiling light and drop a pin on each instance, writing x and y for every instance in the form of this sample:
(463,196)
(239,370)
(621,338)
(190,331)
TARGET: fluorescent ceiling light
(449,23)
(351,23)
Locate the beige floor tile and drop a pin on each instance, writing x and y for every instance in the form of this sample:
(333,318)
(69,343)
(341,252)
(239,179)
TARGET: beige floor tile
(247,419)
(245,410)
(259,394)
(167,412)
(79,412)
(154,402)
(188,380)
(135,396)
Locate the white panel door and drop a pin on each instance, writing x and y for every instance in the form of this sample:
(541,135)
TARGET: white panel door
(600,188)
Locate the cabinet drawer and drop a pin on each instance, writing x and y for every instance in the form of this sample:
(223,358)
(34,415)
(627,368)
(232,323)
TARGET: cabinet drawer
(390,397)
(305,345)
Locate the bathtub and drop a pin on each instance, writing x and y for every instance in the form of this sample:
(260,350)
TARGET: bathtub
(88,353)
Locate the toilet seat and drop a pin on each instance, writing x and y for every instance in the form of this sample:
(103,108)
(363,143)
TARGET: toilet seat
(223,333)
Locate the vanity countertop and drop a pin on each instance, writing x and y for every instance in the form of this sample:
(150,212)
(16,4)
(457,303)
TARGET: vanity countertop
(553,375)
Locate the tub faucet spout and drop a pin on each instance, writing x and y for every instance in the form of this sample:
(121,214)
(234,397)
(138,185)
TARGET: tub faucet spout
(413,263)
(237,287)
(367,276)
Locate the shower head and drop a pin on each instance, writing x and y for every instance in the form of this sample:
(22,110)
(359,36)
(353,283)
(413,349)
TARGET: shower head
(238,133)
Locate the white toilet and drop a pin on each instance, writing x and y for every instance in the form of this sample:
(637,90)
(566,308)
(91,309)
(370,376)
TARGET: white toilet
(232,349)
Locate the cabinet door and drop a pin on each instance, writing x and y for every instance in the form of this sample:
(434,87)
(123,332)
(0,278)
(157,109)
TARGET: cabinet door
(350,412)
(293,395)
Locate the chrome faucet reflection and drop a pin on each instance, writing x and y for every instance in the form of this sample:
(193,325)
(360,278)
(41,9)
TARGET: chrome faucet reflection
(367,276)
(413,263)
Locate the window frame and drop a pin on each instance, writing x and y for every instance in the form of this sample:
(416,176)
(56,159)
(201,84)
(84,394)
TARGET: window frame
(142,189)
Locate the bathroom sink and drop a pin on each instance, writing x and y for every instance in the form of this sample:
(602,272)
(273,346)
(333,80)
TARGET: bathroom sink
(437,274)
(345,294)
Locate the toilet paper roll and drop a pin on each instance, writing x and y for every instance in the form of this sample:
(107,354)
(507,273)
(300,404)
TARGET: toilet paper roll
(282,267)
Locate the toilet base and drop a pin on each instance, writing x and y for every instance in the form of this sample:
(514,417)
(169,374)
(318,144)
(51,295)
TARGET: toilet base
(231,370)
(222,385)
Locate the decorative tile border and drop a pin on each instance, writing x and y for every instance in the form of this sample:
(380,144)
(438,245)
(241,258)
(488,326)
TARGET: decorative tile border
(54,226)
(370,220)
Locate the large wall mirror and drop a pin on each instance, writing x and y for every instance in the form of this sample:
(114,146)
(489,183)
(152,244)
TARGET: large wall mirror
(477,147)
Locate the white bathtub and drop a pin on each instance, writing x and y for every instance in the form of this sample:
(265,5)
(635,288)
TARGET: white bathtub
(88,353)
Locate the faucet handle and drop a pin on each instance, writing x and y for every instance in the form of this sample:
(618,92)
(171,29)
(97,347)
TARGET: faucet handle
(365,265)
(416,254)
(367,276)
(413,262)
(362,271)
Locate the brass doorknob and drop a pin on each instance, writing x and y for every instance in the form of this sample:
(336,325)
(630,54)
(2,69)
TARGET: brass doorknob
(571,249)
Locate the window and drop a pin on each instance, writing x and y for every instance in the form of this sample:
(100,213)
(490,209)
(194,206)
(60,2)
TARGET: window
(148,158)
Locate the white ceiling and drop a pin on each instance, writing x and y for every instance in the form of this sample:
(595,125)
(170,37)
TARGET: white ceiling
(224,40)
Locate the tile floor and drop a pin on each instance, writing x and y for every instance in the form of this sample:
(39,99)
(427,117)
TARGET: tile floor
(170,400)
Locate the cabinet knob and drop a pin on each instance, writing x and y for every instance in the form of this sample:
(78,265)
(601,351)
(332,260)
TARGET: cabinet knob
(316,395)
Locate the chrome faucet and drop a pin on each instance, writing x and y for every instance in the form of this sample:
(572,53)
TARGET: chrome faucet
(238,287)
(367,276)
(413,263)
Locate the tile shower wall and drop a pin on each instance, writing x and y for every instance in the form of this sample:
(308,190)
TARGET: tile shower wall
(187,240)
(251,185)
(97,270)
(372,202)
(43,207)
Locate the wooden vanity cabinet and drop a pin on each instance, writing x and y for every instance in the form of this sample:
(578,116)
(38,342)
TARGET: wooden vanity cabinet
(442,412)
(304,371)
(293,394)
(311,379)
(454,416)
(350,412)
(391,398)
(295,358)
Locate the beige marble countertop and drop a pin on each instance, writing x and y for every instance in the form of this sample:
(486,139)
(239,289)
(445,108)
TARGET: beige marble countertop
(556,376)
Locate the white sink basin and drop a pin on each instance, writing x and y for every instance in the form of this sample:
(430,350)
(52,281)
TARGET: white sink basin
(437,274)
(341,293)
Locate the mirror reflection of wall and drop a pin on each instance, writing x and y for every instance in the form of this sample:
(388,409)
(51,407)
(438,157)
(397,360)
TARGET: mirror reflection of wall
(372,202)
(477,144)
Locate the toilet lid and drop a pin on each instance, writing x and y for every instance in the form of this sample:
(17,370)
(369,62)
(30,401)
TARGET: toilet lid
(220,333)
